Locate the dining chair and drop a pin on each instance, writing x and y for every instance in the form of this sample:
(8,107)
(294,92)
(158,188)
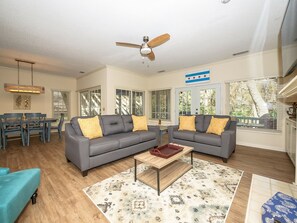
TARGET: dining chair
(12,124)
(59,126)
(35,124)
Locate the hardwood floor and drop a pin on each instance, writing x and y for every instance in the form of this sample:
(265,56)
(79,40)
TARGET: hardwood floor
(61,199)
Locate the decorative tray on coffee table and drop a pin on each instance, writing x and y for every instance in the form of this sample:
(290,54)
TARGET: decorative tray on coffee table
(166,151)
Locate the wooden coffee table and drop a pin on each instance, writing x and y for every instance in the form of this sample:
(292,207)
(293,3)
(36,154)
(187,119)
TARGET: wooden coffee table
(162,172)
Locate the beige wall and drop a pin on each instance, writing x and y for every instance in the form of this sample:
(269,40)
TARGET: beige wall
(110,79)
(94,79)
(257,65)
(122,79)
(39,103)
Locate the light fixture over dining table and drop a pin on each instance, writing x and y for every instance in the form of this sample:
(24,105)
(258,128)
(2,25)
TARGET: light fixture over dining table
(29,89)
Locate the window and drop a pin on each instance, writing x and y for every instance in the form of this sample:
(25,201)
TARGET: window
(160,104)
(61,104)
(90,102)
(254,103)
(129,102)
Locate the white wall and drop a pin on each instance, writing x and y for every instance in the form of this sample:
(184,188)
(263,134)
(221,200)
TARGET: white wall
(94,79)
(122,79)
(39,103)
(110,79)
(264,64)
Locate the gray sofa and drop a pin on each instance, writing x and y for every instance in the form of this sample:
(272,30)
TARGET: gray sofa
(118,141)
(222,146)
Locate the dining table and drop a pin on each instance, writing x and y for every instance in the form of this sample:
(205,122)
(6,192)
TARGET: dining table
(48,122)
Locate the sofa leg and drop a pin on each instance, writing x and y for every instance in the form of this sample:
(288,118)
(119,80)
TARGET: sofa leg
(234,151)
(84,173)
(34,196)
(68,161)
(225,160)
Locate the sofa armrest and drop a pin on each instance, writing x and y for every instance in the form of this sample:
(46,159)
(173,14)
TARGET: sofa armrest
(228,143)
(4,171)
(171,129)
(77,148)
(156,129)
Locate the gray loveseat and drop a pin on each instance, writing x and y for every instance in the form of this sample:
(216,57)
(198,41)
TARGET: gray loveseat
(118,141)
(203,142)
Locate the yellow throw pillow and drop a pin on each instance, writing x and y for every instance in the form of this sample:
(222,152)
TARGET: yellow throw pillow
(187,123)
(139,123)
(90,127)
(217,125)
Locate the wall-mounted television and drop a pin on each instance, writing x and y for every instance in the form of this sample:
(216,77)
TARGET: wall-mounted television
(289,39)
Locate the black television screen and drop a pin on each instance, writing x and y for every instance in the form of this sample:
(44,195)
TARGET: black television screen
(289,39)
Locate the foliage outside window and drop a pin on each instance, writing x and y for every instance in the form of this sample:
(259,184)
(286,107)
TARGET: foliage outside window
(129,102)
(208,102)
(185,99)
(254,103)
(61,102)
(160,104)
(90,102)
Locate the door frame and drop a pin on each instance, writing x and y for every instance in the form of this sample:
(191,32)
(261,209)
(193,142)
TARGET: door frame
(195,96)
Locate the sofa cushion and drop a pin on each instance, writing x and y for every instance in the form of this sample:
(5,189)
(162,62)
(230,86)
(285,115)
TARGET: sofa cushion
(112,124)
(103,145)
(199,120)
(146,135)
(206,122)
(128,123)
(208,139)
(125,139)
(184,135)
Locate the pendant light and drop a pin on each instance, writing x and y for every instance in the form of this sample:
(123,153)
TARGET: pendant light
(29,89)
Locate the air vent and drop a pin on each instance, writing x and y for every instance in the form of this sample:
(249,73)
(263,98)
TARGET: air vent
(240,53)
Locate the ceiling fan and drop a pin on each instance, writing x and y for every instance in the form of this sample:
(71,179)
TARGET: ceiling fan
(146,47)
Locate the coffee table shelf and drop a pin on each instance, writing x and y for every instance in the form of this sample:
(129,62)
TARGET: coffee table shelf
(168,175)
(162,172)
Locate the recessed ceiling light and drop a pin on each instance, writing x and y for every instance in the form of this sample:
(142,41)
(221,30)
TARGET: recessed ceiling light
(225,1)
(239,53)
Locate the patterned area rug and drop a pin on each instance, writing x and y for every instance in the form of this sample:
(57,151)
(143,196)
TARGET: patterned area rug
(203,194)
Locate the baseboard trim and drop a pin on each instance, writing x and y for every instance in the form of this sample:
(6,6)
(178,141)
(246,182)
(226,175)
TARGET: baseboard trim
(275,148)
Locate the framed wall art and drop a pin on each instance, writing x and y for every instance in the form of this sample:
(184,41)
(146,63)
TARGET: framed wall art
(21,102)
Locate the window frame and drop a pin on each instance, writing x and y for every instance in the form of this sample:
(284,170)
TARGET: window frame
(88,91)
(279,107)
(131,101)
(168,105)
(68,105)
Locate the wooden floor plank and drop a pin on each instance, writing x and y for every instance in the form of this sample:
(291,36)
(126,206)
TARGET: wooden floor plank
(60,195)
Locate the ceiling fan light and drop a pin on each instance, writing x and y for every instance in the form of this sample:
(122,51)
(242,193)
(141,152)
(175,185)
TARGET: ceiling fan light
(145,51)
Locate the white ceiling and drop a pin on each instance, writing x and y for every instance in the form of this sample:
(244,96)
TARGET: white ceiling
(68,36)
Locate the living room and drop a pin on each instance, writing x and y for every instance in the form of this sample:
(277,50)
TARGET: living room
(261,63)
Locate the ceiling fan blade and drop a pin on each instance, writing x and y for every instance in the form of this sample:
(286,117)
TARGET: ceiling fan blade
(151,56)
(159,40)
(128,45)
